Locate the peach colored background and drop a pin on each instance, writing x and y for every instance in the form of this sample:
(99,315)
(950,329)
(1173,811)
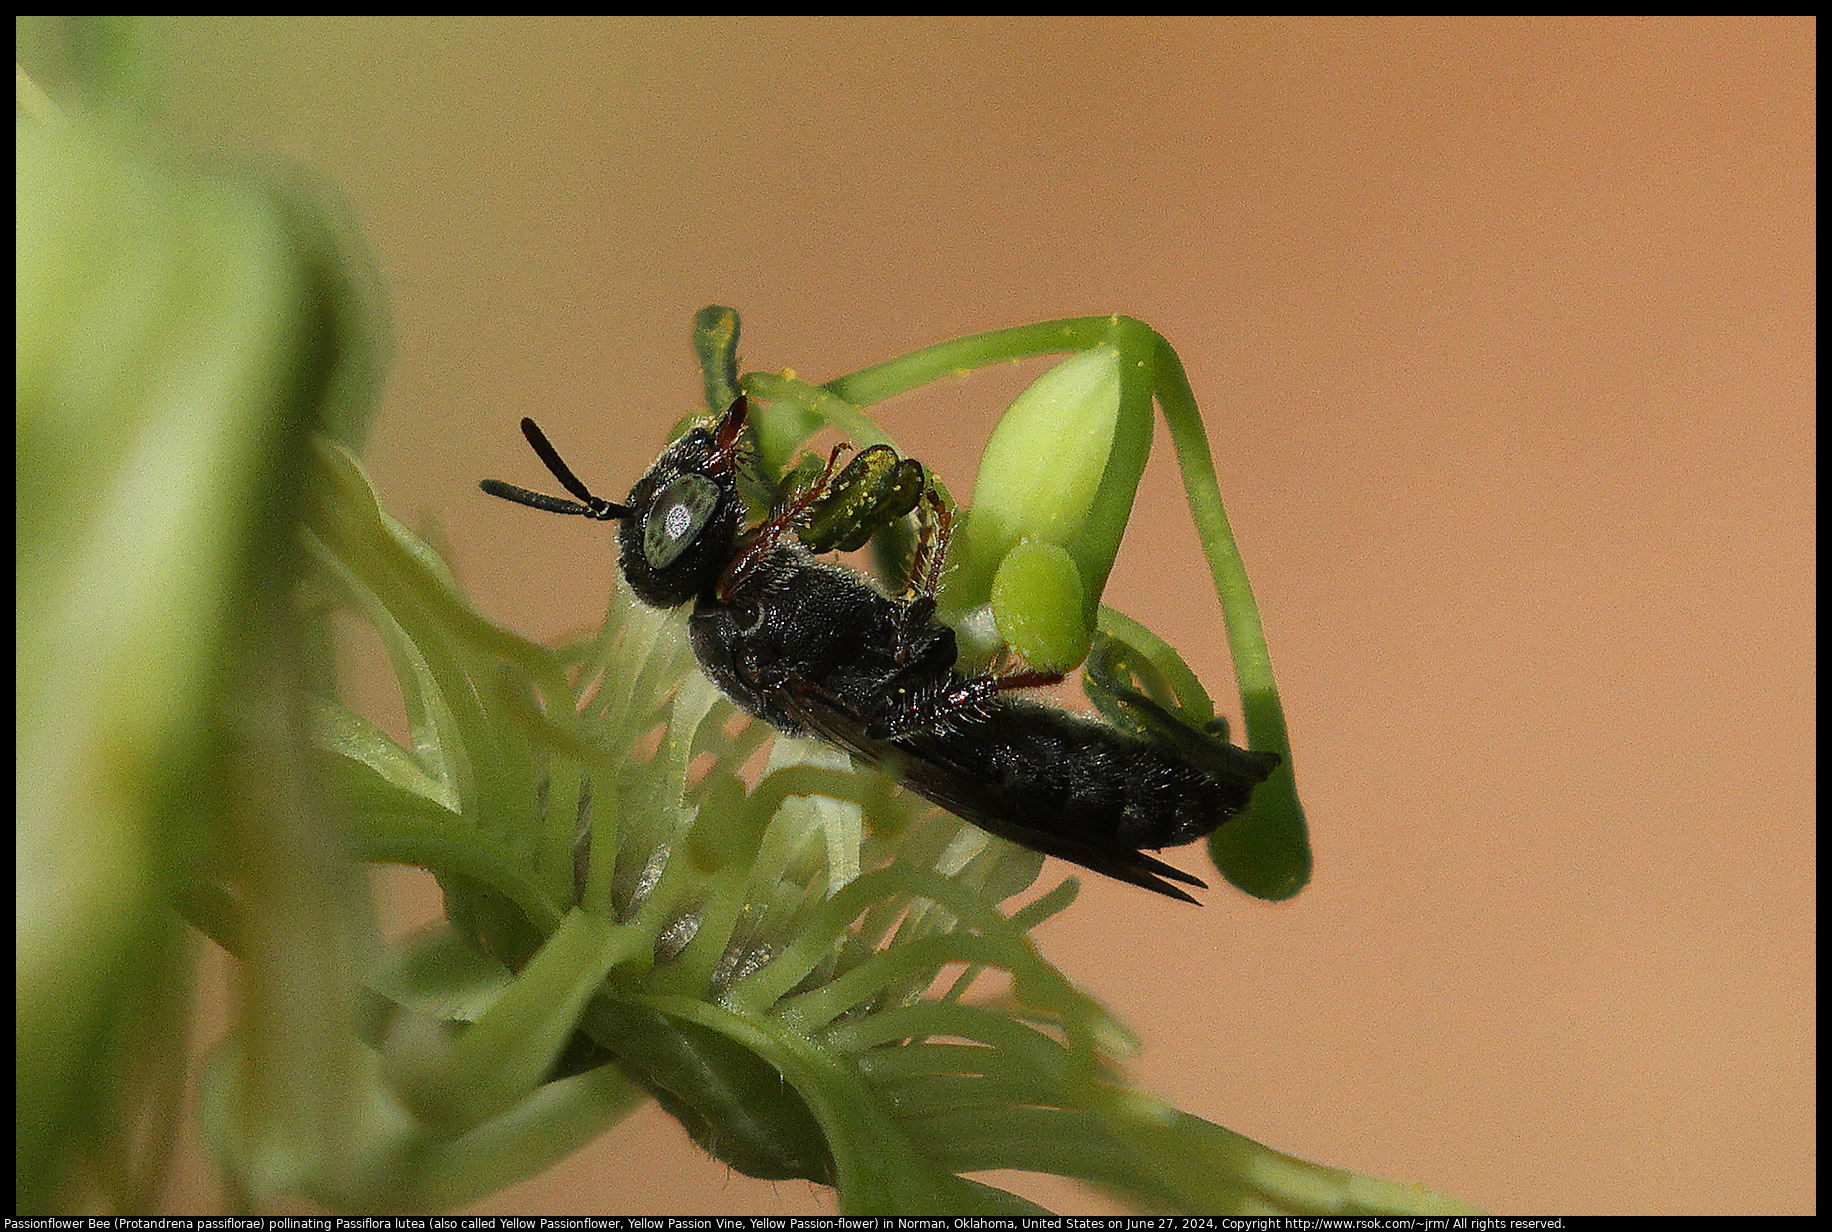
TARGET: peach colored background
(1504,331)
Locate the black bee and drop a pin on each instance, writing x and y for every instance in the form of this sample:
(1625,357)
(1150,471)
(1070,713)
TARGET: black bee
(816,649)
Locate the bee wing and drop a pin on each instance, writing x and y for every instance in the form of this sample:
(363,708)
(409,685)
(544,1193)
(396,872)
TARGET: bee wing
(930,774)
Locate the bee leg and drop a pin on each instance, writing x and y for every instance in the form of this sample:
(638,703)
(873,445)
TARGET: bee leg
(726,432)
(916,710)
(1029,678)
(806,498)
(934,528)
(1113,678)
(762,541)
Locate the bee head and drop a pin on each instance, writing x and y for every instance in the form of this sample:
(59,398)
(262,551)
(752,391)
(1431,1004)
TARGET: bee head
(680,521)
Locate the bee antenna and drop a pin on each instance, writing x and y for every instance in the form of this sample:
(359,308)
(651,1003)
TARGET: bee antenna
(587,505)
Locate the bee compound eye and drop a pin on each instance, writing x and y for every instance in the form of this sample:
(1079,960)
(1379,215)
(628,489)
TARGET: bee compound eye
(676,517)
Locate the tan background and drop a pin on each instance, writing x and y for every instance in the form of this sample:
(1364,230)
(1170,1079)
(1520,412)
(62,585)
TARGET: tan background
(1504,332)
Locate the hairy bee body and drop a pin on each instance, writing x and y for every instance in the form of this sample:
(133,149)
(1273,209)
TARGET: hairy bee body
(816,649)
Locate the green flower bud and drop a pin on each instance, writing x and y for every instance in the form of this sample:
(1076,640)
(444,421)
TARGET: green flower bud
(1038,603)
(1060,472)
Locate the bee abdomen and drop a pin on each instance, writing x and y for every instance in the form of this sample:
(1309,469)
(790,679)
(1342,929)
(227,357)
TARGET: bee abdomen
(1077,777)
